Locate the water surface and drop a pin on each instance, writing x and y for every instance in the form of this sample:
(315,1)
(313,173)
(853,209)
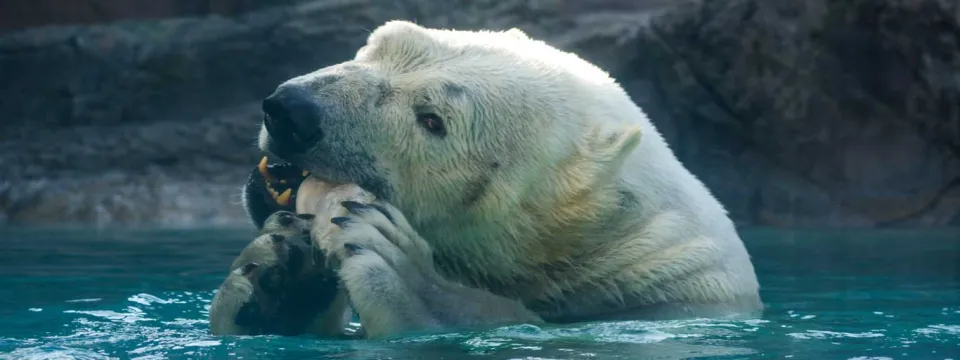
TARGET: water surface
(138,294)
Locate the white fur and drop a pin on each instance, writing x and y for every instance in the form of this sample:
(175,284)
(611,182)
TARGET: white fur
(567,141)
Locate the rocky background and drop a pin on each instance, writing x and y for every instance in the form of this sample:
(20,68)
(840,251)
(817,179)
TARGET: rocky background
(796,113)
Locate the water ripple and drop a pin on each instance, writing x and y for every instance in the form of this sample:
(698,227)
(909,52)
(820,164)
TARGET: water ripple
(150,304)
(174,325)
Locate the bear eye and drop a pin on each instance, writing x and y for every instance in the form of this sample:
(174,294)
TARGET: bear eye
(432,123)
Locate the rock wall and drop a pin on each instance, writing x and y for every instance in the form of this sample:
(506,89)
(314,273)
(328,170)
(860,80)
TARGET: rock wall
(21,14)
(795,113)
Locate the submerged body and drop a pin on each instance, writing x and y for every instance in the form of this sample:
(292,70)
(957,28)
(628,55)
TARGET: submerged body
(510,168)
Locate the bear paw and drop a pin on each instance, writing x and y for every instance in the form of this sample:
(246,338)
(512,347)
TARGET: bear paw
(381,228)
(287,293)
(387,271)
(385,268)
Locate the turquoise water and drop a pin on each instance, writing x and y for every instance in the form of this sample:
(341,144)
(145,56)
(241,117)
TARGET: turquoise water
(145,294)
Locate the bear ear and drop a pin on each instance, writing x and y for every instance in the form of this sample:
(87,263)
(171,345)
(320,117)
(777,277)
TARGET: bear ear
(517,33)
(397,34)
(610,145)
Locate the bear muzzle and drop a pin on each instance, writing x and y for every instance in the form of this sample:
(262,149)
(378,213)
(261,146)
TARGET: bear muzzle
(292,117)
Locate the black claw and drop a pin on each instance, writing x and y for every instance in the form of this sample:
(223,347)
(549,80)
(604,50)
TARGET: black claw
(353,206)
(340,221)
(385,212)
(246,269)
(277,237)
(306,216)
(352,248)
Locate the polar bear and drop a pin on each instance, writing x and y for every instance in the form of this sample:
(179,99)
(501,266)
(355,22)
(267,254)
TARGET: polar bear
(514,182)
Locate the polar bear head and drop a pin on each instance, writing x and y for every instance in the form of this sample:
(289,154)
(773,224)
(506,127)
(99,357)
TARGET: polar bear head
(444,123)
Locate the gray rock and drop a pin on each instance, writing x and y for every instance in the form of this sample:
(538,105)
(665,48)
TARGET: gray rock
(794,113)
(846,113)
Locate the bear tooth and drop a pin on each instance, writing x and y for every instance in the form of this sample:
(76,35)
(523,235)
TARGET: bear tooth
(262,167)
(284,198)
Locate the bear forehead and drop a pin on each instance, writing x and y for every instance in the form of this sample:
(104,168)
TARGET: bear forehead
(402,46)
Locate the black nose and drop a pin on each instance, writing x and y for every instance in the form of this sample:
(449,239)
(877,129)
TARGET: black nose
(292,117)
